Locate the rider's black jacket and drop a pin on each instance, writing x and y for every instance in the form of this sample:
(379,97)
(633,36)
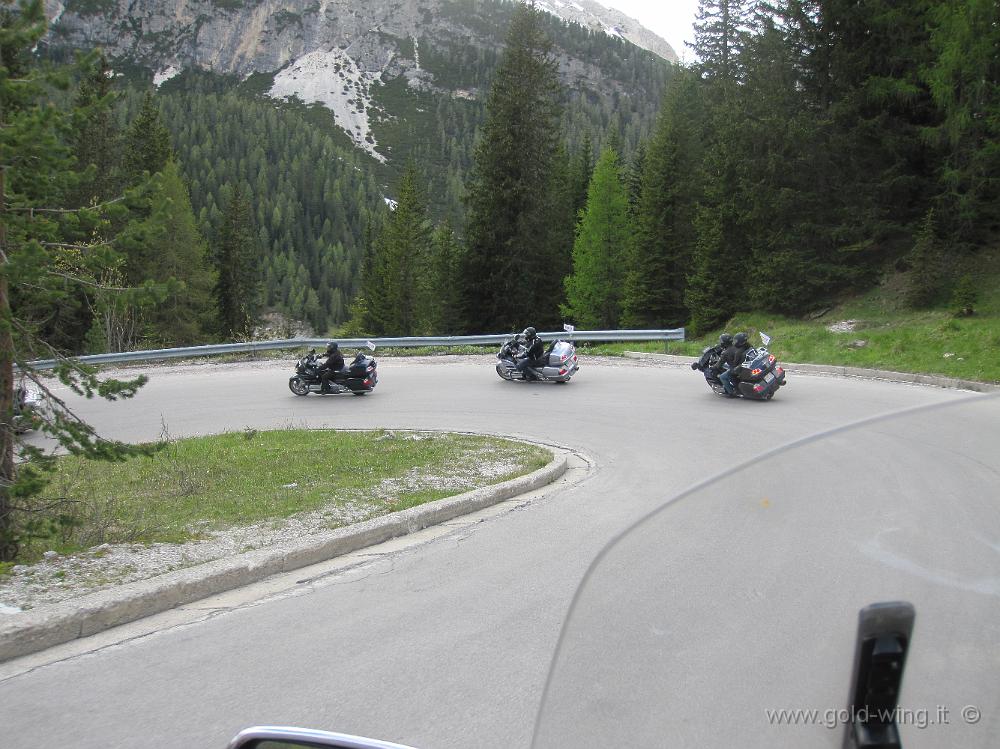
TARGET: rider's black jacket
(334,361)
(535,350)
(733,356)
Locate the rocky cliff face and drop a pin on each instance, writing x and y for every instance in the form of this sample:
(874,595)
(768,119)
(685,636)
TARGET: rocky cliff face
(326,51)
(612,22)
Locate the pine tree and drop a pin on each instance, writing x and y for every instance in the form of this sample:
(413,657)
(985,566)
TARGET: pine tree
(405,244)
(369,307)
(96,140)
(879,109)
(40,251)
(793,220)
(720,31)
(445,269)
(925,279)
(964,80)
(166,249)
(513,248)
(660,253)
(594,290)
(147,143)
(237,257)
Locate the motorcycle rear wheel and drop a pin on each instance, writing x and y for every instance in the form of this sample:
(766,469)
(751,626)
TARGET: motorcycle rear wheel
(298,386)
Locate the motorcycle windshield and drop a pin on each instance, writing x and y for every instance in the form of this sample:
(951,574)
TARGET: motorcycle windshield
(729,616)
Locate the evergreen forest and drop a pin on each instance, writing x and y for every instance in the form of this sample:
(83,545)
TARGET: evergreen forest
(812,146)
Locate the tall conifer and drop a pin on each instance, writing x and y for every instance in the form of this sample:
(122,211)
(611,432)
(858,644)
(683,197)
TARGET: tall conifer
(514,248)
(594,290)
(405,245)
(237,256)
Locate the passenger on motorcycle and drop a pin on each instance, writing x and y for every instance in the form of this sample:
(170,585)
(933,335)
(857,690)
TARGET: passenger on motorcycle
(731,360)
(533,355)
(725,341)
(334,362)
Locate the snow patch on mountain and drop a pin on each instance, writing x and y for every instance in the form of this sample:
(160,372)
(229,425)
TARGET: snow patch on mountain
(165,75)
(334,79)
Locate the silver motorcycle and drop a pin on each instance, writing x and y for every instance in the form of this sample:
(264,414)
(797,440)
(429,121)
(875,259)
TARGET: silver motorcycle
(560,361)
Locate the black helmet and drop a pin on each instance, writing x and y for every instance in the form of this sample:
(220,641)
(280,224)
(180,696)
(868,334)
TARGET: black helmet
(530,333)
(725,339)
(332,347)
(740,339)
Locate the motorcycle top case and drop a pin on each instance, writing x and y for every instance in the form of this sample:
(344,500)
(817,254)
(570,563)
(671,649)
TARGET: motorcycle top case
(359,367)
(561,353)
(756,368)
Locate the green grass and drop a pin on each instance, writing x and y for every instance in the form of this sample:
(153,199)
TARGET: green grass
(928,343)
(208,483)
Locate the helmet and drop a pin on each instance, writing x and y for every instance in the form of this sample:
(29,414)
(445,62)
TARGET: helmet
(725,339)
(741,339)
(331,348)
(530,333)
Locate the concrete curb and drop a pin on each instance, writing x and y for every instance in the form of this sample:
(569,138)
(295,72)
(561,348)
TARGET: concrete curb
(838,371)
(31,631)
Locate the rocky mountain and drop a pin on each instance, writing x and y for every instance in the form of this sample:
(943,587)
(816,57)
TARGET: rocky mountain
(613,22)
(330,52)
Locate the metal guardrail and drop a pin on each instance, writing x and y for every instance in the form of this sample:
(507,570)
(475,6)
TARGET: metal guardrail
(676,334)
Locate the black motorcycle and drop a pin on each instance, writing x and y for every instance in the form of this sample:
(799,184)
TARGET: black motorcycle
(358,377)
(560,361)
(757,378)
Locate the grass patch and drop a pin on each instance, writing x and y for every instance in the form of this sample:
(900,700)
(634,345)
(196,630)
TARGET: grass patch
(927,343)
(885,333)
(199,485)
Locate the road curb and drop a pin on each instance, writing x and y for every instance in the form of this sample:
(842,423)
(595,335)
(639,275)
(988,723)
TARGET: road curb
(31,631)
(838,371)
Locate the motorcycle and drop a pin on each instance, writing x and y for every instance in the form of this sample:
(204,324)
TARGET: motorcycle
(359,377)
(560,357)
(757,378)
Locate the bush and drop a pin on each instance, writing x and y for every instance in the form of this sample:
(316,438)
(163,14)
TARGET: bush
(964,296)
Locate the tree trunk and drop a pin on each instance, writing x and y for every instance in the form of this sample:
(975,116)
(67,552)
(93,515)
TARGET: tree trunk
(8,549)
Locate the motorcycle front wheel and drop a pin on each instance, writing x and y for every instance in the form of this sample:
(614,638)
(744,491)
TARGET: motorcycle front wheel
(298,386)
(502,371)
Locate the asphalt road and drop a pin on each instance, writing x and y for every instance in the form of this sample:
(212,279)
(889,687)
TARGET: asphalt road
(447,643)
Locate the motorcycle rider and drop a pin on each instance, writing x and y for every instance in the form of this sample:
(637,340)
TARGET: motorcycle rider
(334,362)
(731,360)
(725,341)
(533,355)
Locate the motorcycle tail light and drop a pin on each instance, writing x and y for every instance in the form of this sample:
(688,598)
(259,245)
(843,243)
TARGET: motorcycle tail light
(755,372)
(758,388)
(770,358)
(574,357)
(562,371)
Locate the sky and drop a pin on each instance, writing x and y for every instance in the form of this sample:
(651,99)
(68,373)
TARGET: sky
(670,19)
